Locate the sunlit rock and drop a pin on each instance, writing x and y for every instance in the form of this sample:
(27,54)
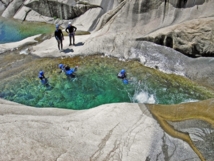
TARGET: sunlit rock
(125,131)
(192,38)
(27,14)
(12,8)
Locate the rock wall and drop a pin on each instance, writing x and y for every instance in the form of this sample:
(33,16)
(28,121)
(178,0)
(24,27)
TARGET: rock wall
(85,14)
(145,20)
(60,10)
(2,7)
(179,24)
(12,8)
(193,38)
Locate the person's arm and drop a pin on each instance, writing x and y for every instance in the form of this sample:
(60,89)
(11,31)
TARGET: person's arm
(75,29)
(62,35)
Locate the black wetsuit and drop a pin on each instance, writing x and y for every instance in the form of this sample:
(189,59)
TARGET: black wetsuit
(59,37)
(41,77)
(121,76)
(44,80)
(71,30)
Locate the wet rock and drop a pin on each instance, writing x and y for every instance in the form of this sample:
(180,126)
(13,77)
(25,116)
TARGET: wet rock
(201,134)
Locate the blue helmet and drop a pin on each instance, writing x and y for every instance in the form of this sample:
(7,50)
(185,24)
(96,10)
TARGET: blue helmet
(125,81)
(122,71)
(41,72)
(57,25)
(60,66)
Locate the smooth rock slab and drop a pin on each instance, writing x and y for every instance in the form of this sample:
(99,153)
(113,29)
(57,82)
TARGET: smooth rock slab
(122,131)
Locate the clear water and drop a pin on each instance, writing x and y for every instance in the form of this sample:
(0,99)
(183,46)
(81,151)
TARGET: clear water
(15,30)
(96,83)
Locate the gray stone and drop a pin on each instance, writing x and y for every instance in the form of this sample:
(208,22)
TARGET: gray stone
(192,38)
(109,132)
(2,7)
(25,13)
(12,8)
(60,9)
(200,132)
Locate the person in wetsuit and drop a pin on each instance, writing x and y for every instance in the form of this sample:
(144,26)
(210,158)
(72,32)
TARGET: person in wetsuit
(70,72)
(62,67)
(71,31)
(43,79)
(122,75)
(59,37)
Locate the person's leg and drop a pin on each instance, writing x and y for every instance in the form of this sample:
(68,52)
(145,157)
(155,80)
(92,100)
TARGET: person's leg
(61,44)
(73,39)
(58,42)
(73,76)
(70,39)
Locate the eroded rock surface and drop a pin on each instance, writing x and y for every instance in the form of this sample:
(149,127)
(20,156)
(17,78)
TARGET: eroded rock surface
(192,122)
(193,38)
(12,8)
(200,132)
(109,132)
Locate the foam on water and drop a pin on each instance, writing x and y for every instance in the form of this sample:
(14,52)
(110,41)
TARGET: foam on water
(144,97)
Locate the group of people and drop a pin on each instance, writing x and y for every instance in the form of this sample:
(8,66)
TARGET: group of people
(70,72)
(60,37)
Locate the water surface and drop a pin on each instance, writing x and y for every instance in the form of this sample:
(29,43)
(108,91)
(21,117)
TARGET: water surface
(15,30)
(96,83)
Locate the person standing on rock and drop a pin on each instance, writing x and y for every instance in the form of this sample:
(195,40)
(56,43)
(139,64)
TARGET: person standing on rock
(71,31)
(59,37)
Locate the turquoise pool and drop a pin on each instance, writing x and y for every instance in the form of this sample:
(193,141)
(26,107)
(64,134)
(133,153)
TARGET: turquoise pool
(96,83)
(16,30)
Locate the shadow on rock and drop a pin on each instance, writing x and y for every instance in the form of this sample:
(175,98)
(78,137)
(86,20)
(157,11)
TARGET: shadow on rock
(68,50)
(185,3)
(79,44)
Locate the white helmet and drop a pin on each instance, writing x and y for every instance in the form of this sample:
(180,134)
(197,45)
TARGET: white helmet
(69,23)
